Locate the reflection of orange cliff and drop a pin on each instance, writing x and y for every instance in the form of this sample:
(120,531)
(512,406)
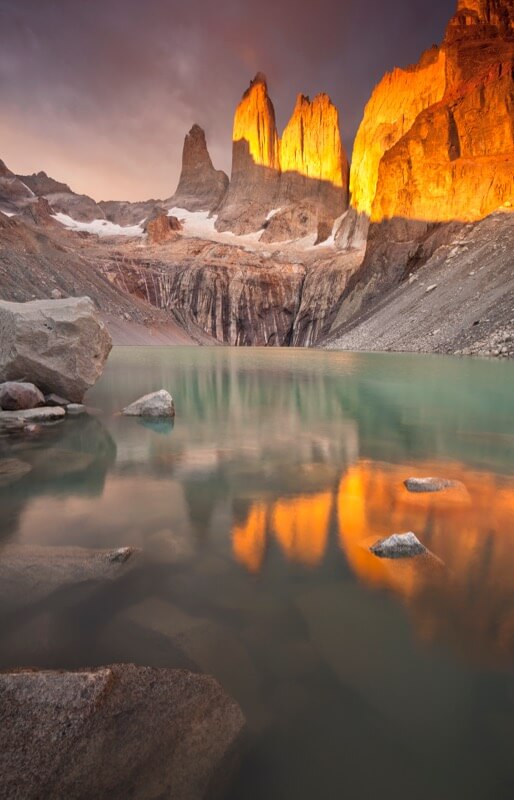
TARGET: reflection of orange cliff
(469,597)
(298,524)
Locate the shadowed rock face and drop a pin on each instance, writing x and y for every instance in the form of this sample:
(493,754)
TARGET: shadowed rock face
(201,187)
(13,191)
(41,184)
(254,182)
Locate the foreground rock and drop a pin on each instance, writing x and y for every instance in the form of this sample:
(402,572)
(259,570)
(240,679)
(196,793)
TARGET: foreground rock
(399,545)
(29,574)
(201,187)
(116,732)
(157,404)
(419,485)
(61,345)
(16,396)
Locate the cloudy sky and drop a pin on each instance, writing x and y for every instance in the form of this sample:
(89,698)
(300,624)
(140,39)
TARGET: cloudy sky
(100,93)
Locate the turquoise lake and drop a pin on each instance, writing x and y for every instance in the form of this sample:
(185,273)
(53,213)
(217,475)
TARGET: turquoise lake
(254,512)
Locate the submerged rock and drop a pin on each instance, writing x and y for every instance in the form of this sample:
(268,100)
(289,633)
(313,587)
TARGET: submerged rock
(29,573)
(117,732)
(61,345)
(419,485)
(157,404)
(15,395)
(399,545)
(12,470)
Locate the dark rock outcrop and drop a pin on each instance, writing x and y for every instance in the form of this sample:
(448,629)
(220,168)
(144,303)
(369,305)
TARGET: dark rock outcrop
(13,192)
(161,228)
(116,732)
(201,187)
(41,184)
(60,345)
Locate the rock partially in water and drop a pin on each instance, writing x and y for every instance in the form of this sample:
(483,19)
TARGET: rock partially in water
(60,345)
(74,409)
(17,395)
(157,404)
(43,414)
(29,573)
(421,485)
(117,732)
(399,545)
(12,470)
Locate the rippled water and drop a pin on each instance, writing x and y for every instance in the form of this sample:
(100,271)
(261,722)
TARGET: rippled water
(359,677)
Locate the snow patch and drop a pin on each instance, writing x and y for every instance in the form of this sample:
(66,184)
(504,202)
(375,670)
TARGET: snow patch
(101,227)
(9,213)
(272,213)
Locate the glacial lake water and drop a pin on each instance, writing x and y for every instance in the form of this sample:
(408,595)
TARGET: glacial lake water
(359,677)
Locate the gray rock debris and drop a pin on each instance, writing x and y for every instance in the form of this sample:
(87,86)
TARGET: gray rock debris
(399,545)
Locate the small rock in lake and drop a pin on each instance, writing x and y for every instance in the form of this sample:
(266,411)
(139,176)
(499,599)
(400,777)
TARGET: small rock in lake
(157,404)
(19,395)
(420,485)
(399,545)
(74,409)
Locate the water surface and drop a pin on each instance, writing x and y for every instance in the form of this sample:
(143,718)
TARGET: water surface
(359,677)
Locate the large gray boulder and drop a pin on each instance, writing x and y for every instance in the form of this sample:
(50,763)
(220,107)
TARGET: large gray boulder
(116,732)
(60,345)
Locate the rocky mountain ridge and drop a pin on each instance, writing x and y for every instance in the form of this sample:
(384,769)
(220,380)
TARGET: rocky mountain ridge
(433,160)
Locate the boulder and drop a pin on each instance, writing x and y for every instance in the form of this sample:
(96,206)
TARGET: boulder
(61,345)
(157,404)
(161,228)
(399,545)
(15,396)
(419,485)
(116,732)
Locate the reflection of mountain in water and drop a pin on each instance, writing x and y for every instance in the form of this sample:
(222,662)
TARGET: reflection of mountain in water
(70,458)
(462,594)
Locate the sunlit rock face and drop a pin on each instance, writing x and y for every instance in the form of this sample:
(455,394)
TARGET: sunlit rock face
(201,187)
(437,140)
(389,114)
(272,177)
(255,162)
(314,170)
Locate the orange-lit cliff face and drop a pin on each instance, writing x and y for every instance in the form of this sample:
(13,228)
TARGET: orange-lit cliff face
(390,113)
(254,125)
(462,592)
(308,165)
(437,141)
(311,143)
